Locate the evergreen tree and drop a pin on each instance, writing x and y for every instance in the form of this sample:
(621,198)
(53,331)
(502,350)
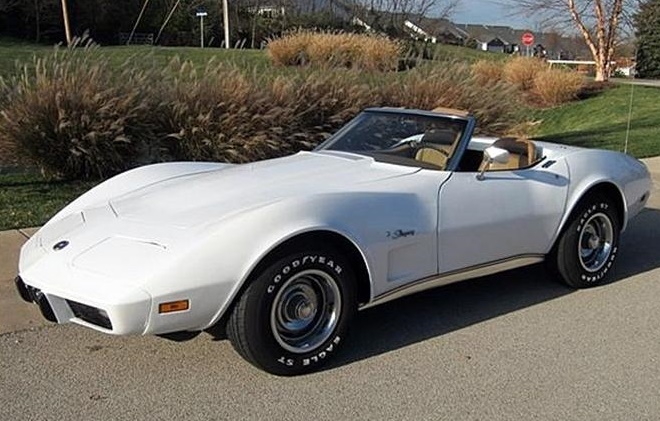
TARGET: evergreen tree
(647,22)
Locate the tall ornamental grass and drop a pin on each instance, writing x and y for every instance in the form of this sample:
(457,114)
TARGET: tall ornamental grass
(554,87)
(345,50)
(521,71)
(75,116)
(536,83)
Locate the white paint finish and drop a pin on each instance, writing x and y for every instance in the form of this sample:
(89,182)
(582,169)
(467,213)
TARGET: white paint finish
(128,259)
(205,198)
(589,168)
(133,180)
(196,230)
(508,213)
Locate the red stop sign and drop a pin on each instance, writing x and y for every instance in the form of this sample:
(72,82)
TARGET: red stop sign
(528,39)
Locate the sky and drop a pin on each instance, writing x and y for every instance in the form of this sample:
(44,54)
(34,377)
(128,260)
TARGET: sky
(489,12)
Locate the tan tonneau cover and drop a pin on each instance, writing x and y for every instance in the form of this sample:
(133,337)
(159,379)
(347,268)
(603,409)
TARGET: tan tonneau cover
(451,111)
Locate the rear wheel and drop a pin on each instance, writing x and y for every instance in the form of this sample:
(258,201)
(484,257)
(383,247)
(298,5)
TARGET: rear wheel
(588,246)
(294,314)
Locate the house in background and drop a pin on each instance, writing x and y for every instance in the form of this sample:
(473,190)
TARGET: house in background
(342,9)
(492,38)
(496,39)
(438,30)
(269,11)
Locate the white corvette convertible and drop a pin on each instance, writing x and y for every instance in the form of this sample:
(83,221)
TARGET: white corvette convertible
(283,252)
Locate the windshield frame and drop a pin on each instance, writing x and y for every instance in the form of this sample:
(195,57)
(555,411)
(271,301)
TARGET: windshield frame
(454,159)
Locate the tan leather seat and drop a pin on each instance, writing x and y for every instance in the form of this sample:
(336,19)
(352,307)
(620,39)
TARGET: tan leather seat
(431,156)
(522,154)
(444,142)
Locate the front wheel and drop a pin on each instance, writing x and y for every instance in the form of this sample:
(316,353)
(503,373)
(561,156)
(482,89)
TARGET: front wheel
(588,246)
(294,315)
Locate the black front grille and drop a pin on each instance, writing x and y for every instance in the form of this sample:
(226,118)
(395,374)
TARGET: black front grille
(90,314)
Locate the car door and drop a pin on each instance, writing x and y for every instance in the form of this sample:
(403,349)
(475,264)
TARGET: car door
(506,214)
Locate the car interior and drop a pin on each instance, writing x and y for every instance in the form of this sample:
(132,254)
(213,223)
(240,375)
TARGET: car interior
(430,143)
(435,148)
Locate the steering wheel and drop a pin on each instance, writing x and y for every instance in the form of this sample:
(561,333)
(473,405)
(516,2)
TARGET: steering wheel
(414,141)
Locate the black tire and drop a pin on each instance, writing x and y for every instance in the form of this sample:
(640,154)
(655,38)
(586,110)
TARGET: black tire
(294,315)
(588,246)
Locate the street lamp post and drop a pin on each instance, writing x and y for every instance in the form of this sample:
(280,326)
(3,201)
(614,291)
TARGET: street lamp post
(225,19)
(200,14)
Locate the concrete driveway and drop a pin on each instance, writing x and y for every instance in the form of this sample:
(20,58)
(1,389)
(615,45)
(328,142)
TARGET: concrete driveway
(513,346)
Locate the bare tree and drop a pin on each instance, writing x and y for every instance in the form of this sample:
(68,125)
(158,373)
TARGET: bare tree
(599,22)
(437,8)
(393,14)
(8,4)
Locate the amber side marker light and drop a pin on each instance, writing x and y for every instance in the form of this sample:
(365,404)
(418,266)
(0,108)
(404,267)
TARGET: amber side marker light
(173,306)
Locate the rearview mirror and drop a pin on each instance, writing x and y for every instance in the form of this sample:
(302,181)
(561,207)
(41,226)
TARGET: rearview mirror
(493,154)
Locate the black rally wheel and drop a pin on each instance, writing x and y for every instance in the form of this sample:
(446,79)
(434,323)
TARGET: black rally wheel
(294,315)
(588,246)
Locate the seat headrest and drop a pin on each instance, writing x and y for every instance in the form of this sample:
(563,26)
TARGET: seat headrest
(517,146)
(439,137)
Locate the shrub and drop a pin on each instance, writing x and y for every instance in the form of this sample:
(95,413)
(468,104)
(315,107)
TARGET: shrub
(496,106)
(521,71)
(554,86)
(348,50)
(290,50)
(75,116)
(69,115)
(227,114)
(487,72)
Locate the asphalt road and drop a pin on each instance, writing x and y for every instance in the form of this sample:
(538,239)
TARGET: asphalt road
(513,346)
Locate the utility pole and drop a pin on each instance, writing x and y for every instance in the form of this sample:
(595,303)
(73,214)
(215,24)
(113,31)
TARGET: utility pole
(67,28)
(225,18)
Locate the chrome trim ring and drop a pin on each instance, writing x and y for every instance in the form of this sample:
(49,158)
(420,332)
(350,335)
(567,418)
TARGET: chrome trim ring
(595,242)
(305,311)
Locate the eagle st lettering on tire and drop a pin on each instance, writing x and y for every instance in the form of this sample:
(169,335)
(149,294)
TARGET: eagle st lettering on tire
(293,314)
(588,247)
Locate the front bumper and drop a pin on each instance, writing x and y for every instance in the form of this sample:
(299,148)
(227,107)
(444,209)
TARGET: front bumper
(119,319)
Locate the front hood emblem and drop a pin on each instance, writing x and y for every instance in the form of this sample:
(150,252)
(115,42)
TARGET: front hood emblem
(59,246)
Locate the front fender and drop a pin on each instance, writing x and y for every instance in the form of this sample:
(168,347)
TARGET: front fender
(590,168)
(236,245)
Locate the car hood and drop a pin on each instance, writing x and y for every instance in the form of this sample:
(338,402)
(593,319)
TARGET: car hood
(195,199)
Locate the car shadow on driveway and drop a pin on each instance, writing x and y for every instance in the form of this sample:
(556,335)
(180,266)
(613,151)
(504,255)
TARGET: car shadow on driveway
(436,312)
(639,246)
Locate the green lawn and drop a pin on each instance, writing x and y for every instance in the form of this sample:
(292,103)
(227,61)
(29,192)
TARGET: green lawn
(455,52)
(12,52)
(16,52)
(28,200)
(602,121)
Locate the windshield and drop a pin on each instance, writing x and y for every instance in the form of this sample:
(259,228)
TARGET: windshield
(397,137)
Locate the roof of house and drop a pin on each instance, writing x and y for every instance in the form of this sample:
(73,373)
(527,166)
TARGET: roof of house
(439,26)
(487,33)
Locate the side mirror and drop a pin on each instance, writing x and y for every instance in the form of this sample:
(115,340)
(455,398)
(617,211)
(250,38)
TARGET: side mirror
(493,154)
